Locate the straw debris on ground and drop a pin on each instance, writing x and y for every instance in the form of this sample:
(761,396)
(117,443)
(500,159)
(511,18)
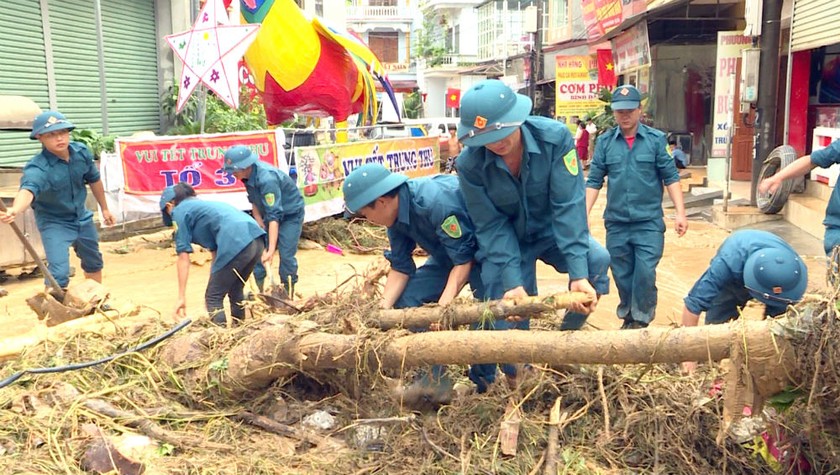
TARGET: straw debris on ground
(354,235)
(634,419)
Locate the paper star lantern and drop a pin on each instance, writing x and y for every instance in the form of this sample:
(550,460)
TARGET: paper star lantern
(210,52)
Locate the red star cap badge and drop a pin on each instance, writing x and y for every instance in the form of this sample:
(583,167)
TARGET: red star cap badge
(480,122)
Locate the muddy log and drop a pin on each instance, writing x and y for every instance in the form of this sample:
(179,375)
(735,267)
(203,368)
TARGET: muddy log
(282,350)
(464,314)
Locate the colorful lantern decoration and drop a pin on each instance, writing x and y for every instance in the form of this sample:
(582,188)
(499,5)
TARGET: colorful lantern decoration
(308,68)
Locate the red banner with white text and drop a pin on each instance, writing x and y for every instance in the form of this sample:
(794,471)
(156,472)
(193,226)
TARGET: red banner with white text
(151,164)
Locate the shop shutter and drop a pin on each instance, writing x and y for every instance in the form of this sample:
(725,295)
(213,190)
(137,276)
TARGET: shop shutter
(78,91)
(814,23)
(131,66)
(23,72)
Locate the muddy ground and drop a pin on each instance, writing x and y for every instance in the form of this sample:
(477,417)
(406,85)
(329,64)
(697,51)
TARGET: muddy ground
(147,277)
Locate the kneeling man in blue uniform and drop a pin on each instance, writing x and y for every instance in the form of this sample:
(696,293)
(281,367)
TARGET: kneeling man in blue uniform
(428,212)
(522,182)
(750,264)
(53,183)
(234,239)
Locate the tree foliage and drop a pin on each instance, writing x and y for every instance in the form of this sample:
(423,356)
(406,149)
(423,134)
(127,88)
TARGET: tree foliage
(219,117)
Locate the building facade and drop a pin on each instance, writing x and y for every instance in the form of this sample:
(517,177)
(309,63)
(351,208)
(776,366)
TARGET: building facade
(103,63)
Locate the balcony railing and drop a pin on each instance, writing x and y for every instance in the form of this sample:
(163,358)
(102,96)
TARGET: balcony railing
(457,60)
(447,4)
(379,13)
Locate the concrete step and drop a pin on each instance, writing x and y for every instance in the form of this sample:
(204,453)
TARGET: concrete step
(815,189)
(807,213)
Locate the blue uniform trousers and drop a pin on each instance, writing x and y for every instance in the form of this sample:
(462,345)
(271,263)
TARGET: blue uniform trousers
(287,244)
(428,282)
(635,250)
(547,251)
(729,302)
(57,238)
(426,286)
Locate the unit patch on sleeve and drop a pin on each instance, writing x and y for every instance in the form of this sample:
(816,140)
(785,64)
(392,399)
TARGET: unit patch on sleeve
(668,151)
(269,199)
(452,227)
(571,162)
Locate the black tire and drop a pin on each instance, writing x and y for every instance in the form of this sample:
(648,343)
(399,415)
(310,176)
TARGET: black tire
(780,157)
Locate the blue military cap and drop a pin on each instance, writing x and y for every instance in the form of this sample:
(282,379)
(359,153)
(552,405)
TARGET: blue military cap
(178,192)
(625,97)
(166,196)
(367,183)
(490,111)
(49,121)
(239,157)
(775,276)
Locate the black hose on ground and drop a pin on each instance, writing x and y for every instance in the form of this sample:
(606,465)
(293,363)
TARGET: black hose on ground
(72,367)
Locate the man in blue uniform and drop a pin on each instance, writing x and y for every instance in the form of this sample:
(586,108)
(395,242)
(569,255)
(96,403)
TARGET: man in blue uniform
(823,158)
(638,161)
(233,237)
(521,180)
(53,183)
(749,264)
(278,208)
(428,212)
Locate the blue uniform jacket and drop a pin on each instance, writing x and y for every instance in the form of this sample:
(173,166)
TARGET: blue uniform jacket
(215,226)
(825,158)
(273,192)
(547,201)
(59,186)
(727,267)
(636,175)
(432,215)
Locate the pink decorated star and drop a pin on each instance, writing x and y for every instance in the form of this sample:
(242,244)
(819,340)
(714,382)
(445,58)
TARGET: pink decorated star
(211,51)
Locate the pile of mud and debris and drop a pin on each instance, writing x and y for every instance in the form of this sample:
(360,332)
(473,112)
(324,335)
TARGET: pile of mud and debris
(173,408)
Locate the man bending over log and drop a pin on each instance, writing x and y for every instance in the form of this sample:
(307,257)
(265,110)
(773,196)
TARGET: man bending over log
(428,212)
(749,264)
(235,240)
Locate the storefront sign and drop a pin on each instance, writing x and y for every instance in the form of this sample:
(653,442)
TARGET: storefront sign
(729,46)
(150,164)
(600,16)
(321,169)
(631,8)
(631,49)
(576,78)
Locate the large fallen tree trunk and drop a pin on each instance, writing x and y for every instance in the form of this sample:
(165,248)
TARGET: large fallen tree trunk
(281,350)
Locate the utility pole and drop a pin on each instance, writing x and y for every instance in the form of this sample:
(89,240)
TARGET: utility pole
(535,55)
(767,89)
